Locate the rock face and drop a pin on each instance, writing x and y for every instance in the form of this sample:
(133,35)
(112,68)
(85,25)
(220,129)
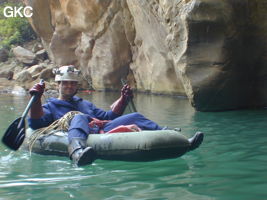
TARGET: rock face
(212,51)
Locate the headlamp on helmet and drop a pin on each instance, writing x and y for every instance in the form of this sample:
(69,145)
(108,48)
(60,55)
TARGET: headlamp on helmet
(67,73)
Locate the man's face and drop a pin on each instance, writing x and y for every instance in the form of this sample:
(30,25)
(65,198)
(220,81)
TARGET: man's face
(67,89)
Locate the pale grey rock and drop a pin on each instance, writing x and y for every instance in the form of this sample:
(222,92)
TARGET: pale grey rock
(24,56)
(24,76)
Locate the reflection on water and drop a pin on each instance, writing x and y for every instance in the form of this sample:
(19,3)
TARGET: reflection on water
(230,164)
(169,111)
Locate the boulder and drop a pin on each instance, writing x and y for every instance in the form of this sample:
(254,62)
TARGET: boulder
(7,70)
(47,74)
(35,69)
(24,56)
(8,74)
(24,76)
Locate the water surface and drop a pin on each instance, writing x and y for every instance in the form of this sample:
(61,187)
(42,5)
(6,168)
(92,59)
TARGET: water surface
(230,164)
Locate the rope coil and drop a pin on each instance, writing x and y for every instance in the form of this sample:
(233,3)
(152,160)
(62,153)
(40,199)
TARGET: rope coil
(60,124)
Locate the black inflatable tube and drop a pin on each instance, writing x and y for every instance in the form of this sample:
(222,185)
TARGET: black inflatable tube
(131,146)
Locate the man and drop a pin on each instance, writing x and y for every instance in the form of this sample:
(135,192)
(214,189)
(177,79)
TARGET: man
(87,122)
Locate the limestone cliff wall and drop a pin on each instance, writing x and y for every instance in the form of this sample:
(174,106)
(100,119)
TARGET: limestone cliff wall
(212,51)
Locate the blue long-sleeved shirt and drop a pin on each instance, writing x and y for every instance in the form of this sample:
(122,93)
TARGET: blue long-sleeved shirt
(55,109)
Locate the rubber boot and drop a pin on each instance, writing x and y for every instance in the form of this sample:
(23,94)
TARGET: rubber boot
(196,140)
(79,153)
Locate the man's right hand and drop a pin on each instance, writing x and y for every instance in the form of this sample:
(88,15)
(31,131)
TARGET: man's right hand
(37,89)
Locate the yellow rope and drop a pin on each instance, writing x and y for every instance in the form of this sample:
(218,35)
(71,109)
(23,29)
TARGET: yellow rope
(60,124)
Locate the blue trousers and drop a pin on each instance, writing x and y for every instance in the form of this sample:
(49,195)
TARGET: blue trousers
(79,124)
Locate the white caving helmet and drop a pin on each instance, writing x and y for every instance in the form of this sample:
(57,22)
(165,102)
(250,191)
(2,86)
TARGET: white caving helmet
(66,73)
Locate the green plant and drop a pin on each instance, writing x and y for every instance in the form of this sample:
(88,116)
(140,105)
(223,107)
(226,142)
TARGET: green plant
(14,30)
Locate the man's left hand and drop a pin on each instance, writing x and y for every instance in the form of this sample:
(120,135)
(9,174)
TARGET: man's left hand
(126,92)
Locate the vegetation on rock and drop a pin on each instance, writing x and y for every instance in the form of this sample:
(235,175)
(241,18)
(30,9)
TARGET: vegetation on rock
(14,30)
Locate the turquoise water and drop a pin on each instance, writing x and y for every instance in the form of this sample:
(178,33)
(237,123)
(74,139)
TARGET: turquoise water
(229,165)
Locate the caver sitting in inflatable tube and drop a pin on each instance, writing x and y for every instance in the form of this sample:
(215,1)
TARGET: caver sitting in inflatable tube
(85,123)
(127,146)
